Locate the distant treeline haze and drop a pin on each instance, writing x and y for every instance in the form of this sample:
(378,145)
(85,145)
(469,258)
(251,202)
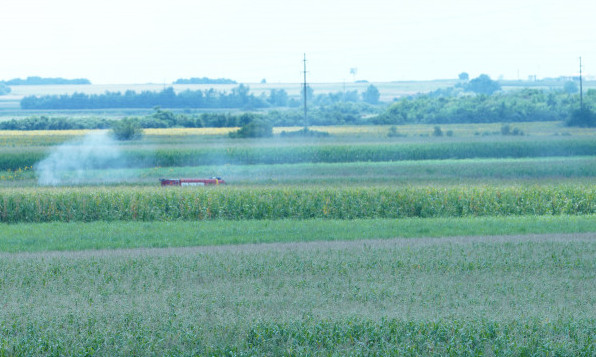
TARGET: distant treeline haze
(444,106)
(34,80)
(204,80)
(239,97)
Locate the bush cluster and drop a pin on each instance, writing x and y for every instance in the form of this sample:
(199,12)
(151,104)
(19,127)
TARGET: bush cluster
(127,129)
(254,129)
(585,118)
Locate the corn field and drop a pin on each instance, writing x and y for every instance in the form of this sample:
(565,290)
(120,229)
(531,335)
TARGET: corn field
(149,204)
(335,153)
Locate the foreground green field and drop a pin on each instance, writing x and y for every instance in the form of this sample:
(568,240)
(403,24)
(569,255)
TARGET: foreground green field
(514,295)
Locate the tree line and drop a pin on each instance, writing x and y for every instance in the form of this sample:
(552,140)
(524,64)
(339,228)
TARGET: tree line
(238,98)
(336,114)
(35,80)
(204,80)
(481,100)
(476,101)
(447,106)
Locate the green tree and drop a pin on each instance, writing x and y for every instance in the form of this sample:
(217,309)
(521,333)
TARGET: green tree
(278,98)
(257,128)
(584,118)
(371,95)
(127,129)
(482,85)
(464,76)
(570,87)
(165,116)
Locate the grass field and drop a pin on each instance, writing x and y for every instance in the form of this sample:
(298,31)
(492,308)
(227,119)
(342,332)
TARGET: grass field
(40,237)
(355,244)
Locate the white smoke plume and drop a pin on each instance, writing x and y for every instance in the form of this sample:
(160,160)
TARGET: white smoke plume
(73,162)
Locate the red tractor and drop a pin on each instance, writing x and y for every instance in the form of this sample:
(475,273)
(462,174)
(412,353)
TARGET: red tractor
(192,182)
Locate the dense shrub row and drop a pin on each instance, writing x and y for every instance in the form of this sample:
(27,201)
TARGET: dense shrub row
(173,203)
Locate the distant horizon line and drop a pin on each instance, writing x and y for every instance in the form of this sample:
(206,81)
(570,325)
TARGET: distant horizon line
(559,78)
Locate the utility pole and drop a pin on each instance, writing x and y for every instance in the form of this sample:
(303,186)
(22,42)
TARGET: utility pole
(305,110)
(581,91)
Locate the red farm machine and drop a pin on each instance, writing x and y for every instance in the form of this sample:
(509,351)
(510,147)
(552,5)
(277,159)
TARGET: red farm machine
(192,182)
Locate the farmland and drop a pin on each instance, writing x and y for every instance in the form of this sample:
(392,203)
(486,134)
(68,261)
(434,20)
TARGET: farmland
(150,204)
(464,296)
(474,243)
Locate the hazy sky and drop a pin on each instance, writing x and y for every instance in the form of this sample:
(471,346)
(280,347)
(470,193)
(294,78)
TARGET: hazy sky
(141,41)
